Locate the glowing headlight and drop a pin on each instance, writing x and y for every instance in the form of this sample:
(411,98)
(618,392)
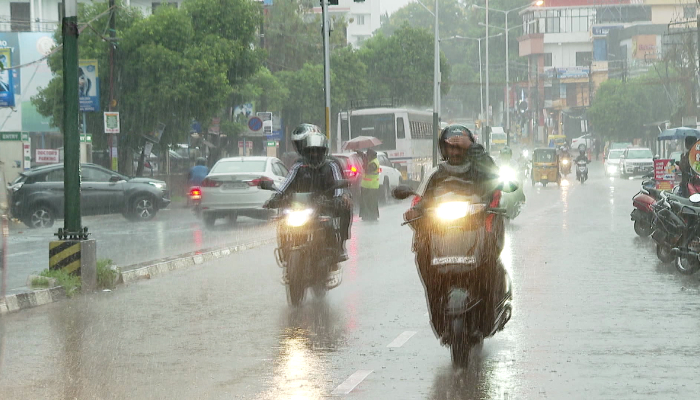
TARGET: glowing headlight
(298,218)
(526,153)
(453,210)
(507,174)
(565,161)
(612,169)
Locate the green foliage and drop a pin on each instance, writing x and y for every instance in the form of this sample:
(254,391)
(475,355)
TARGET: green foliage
(40,281)
(70,283)
(106,276)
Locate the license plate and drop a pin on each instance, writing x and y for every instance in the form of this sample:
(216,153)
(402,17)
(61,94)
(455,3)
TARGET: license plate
(235,185)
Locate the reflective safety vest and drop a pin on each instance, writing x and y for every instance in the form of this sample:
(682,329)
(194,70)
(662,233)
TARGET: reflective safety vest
(371,180)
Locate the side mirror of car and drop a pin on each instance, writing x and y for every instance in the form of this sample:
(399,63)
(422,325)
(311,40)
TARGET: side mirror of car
(114,179)
(267,185)
(402,192)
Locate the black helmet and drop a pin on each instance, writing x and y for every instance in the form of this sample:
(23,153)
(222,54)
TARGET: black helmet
(201,161)
(300,133)
(450,131)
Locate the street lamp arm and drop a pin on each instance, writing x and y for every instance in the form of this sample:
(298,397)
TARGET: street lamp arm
(426,8)
(532,3)
(501,28)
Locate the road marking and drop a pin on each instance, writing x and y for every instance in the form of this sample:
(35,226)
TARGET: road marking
(352,381)
(401,339)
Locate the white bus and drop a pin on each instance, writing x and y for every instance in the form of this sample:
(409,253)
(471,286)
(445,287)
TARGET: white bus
(406,135)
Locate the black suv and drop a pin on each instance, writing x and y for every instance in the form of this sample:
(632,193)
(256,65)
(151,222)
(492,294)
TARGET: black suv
(37,195)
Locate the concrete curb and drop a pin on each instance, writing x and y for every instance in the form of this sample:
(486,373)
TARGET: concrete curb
(148,270)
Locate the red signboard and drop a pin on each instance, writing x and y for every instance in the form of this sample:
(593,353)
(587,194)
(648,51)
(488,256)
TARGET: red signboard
(664,174)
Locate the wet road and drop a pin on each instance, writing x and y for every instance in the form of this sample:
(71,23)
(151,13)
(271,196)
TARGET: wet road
(595,317)
(174,231)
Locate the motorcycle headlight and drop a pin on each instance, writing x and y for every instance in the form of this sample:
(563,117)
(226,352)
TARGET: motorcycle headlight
(507,174)
(297,218)
(526,153)
(565,161)
(454,210)
(612,169)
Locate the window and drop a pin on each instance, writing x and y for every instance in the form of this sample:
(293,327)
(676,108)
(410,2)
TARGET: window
(400,130)
(547,59)
(227,167)
(154,6)
(94,175)
(20,17)
(360,19)
(384,161)
(61,11)
(583,58)
(55,175)
(552,24)
(279,169)
(380,126)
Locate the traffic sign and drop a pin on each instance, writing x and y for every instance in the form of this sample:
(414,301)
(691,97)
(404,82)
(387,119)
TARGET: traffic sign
(255,124)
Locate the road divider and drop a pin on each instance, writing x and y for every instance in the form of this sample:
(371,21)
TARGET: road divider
(129,274)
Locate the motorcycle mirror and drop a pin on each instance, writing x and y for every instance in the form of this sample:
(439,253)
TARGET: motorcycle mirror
(695,198)
(267,185)
(402,192)
(342,184)
(656,157)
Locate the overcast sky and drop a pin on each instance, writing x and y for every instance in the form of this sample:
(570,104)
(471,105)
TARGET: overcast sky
(392,5)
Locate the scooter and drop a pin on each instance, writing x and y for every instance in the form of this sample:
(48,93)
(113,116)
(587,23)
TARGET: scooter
(643,212)
(581,171)
(195,196)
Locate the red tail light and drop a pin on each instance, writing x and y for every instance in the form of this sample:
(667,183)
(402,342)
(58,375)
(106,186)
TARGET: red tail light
(352,172)
(415,200)
(210,183)
(256,182)
(196,194)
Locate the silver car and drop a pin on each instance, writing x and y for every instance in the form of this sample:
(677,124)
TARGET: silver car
(612,163)
(232,188)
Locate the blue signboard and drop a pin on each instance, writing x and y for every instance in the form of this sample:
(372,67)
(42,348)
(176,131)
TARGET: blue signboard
(603,29)
(7,87)
(88,86)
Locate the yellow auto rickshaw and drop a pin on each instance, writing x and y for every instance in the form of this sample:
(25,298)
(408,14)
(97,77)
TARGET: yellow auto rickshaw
(556,141)
(545,166)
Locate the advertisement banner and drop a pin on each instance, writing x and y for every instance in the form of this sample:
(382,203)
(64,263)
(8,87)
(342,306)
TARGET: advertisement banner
(7,88)
(88,86)
(664,174)
(111,122)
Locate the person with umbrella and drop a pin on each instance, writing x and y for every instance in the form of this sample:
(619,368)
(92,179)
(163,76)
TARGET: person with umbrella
(369,188)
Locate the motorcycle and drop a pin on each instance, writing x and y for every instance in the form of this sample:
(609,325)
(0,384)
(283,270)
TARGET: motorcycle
(461,232)
(308,244)
(581,171)
(643,213)
(511,202)
(195,196)
(565,165)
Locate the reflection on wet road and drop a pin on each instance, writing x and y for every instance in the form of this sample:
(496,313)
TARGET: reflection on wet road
(595,317)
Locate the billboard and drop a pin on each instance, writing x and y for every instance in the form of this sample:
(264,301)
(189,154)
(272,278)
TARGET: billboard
(7,87)
(88,86)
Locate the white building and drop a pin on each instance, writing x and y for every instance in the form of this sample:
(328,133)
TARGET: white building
(44,15)
(362,18)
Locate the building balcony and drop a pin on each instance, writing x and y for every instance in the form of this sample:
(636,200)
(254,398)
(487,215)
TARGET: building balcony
(531,44)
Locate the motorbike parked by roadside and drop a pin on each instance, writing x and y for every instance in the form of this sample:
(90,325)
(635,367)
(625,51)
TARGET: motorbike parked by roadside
(308,243)
(643,213)
(461,237)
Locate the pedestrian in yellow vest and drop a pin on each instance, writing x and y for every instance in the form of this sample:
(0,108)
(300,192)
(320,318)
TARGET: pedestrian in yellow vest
(369,202)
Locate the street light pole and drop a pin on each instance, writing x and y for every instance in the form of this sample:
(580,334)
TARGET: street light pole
(326,66)
(436,89)
(487,131)
(507,107)
(481,81)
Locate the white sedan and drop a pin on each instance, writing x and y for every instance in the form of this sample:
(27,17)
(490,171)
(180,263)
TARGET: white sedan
(612,163)
(389,177)
(232,187)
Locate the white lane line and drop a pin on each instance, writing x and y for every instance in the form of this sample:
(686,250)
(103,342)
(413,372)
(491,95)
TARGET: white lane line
(401,339)
(352,381)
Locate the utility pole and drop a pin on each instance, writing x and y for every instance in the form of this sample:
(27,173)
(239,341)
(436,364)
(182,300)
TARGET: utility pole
(327,65)
(112,142)
(487,126)
(436,88)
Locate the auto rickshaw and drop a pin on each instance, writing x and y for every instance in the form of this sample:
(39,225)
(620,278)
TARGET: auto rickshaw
(557,141)
(545,167)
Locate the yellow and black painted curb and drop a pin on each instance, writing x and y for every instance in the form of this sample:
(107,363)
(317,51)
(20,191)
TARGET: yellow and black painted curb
(64,255)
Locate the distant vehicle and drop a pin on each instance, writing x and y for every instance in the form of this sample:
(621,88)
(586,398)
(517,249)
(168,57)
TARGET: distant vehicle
(406,135)
(232,187)
(636,161)
(38,197)
(612,163)
(498,139)
(389,176)
(352,170)
(582,142)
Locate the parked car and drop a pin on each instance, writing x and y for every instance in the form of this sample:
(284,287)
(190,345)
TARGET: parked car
(582,142)
(352,170)
(37,196)
(389,176)
(612,162)
(636,161)
(232,188)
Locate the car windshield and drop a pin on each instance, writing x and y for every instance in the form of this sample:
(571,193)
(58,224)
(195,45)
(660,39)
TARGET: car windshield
(621,145)
(640,153)
(498,136)
(614,155)
(235,166)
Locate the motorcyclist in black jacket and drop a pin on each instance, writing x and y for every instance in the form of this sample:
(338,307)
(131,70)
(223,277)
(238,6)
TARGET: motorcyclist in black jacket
(581,156)
(316,172)
(465,159)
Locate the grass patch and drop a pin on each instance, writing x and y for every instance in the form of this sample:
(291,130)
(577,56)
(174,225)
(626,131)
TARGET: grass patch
(40,282)
(70,283)
(106,276)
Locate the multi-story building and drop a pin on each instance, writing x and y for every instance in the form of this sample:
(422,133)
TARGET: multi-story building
(362,18)
(574,45)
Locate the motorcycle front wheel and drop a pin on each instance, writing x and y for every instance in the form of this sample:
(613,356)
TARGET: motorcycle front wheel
(460,345)
(664,253)
(296,288)
(687,266)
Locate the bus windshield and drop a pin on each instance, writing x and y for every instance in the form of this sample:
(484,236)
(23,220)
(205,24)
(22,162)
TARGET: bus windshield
(381,126)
